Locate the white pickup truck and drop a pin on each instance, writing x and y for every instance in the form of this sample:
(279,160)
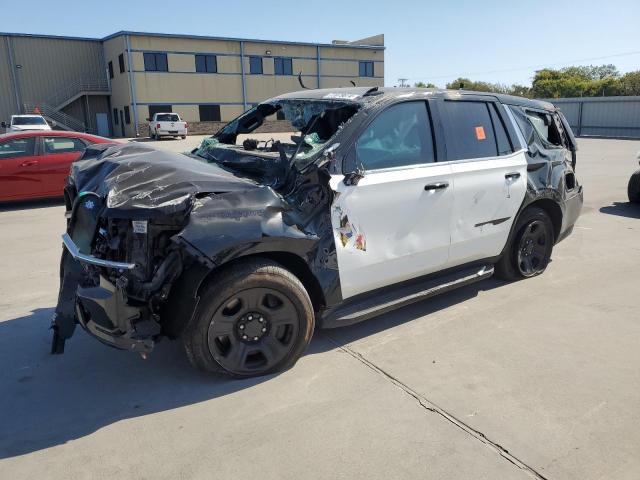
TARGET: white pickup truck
(167,125)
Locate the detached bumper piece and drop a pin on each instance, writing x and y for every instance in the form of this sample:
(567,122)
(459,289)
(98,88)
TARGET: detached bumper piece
(103,311)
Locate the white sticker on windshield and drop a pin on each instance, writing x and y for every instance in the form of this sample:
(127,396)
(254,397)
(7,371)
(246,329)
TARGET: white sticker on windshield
(139,226)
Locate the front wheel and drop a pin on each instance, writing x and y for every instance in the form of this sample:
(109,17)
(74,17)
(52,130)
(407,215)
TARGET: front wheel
(253,319)
(528,251)
(633,189)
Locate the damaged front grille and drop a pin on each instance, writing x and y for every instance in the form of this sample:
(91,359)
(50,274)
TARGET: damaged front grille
(146,244)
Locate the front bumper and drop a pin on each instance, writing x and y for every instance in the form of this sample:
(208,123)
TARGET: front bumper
(103,310)
(104,313)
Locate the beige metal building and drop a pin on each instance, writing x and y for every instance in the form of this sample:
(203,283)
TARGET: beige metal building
(112,85)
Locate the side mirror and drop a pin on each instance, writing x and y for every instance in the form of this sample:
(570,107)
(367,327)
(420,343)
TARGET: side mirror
(53,123)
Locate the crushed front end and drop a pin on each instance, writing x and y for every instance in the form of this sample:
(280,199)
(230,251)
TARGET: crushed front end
(115,274)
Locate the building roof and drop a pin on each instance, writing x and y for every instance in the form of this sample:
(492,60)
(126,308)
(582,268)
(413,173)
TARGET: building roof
(204,37)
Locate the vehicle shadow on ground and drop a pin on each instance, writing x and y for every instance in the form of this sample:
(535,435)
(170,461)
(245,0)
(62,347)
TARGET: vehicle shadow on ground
(30,204)
(622,209)
(48,400)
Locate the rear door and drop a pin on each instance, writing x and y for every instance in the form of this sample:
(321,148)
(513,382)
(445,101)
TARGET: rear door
(393,225)
(489,177)
(17,159)
(57,155)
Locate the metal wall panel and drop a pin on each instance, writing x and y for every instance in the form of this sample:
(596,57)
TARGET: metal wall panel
(50,65)
(613,117)
(8,104)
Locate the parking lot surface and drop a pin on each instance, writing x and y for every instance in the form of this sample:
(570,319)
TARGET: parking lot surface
(534,379)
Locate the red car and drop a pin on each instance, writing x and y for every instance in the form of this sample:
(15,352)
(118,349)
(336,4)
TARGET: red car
(35,164)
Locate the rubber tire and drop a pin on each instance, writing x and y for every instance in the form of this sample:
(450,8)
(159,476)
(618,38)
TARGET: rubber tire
(184,137)
(507,268)
(247,274)
(633,189)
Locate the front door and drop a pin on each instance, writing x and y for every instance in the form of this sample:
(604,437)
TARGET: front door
(17,159)
(394,224)
(102,123)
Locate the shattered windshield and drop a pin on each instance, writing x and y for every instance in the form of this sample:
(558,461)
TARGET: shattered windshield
(309,124)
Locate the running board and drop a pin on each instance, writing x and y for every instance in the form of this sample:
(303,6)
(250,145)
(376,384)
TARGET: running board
(401,296)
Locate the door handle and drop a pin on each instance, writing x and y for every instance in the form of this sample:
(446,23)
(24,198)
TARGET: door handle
(436,186)
(29,163)
(512,176)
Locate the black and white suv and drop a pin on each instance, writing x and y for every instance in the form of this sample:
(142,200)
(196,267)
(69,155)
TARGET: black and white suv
(383,197)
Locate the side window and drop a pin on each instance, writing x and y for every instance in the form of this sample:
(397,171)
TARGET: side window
(468,130)
(21,147)
(62,145)
(545,126)
(502,139)
(399,136)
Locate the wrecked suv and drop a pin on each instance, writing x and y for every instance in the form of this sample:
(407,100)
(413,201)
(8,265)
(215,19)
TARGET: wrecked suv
(382,197)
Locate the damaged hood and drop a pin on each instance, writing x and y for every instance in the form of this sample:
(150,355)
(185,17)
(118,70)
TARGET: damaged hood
(135,177)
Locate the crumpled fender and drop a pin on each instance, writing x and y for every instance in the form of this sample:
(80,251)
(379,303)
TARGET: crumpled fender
(226,226)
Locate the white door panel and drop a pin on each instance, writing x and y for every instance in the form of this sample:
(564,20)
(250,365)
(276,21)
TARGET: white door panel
(388,228)
(488,194)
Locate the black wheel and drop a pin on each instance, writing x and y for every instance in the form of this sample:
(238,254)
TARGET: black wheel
(184,137)
(528,252)
(253,319)
(633,189)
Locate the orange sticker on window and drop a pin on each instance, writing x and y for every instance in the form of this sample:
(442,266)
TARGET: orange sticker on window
(480,133)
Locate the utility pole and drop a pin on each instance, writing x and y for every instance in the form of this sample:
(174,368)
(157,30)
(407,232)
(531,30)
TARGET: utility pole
(403,82)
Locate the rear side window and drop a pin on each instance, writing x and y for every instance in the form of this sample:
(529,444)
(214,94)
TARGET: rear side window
(398,137)
(62,145)
(469,130)
(545,125)
(21,147)
(502,139)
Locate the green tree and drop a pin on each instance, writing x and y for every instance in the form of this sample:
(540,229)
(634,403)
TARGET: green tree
(424,85)
(630,83)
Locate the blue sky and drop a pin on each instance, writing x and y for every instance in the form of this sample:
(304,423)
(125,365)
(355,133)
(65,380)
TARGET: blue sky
(497,41)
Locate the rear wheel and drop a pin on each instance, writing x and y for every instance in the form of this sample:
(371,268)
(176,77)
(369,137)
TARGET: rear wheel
(633,189)
(253,319)
(528,251)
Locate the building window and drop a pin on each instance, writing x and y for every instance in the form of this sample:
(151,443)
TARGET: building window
(153,109)
(155,62)
(206,64)
(110,69)
(283,66)
(127,115)
(366,69)
(255,65)
(115,116)
(209,113)
(121,62)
